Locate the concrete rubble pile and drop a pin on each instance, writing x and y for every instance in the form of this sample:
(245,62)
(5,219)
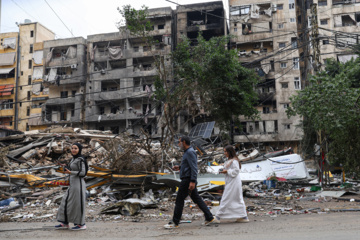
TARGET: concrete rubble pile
(130,179)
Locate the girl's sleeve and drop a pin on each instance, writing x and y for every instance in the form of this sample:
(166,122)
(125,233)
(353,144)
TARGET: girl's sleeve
(234,169)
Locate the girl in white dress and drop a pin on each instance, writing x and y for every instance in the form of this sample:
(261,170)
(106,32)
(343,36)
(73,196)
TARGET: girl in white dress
(232,205)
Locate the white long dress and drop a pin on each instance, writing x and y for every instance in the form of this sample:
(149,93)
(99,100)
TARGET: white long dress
(232,203)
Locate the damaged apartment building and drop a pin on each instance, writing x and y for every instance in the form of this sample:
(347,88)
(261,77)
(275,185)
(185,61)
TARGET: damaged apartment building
(8,73)
(122,70)
(264,34)
(65,76)
(189,20)
(207,18)
(338,25)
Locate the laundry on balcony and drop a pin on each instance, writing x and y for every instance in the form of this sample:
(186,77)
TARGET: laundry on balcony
(9,43)
(7,59)
(115,52)
(38,57)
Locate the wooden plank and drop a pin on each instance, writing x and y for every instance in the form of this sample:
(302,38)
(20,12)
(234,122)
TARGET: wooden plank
(17,152)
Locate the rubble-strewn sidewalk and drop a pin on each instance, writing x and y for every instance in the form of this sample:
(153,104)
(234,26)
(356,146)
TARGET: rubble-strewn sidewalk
(124,182)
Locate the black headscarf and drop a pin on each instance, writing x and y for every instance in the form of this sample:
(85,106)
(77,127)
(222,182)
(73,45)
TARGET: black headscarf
(80,148)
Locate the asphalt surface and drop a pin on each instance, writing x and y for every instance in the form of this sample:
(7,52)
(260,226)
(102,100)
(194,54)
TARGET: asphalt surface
(329,226)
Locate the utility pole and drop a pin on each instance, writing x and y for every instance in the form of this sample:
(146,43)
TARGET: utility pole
(317,65)
(315,37)
(17,105)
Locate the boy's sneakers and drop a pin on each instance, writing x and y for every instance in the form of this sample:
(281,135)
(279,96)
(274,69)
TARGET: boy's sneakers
(242,220)
(62,226)
(214,221)
(79,227)
(171,225)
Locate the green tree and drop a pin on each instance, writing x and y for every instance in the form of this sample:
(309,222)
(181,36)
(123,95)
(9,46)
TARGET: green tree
(211,80)
(329,105)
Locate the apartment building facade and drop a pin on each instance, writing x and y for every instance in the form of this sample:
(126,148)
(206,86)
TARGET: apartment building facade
(338,24)
(122,70)
(266,38)
(8,74)
(31,93)
(64,74)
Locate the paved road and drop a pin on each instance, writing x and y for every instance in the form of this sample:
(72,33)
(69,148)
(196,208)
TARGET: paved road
(333,226)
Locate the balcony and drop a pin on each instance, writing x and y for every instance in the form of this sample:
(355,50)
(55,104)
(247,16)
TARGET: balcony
(56,62)
(7,112)
(341,2)
(64,101)
(116,117)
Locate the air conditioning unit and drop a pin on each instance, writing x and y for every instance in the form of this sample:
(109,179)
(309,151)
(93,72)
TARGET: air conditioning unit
(102,71)
(74,66)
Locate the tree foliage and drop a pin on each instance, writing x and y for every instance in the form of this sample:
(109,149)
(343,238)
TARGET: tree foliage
(135,21)
(330,105)
(211,80)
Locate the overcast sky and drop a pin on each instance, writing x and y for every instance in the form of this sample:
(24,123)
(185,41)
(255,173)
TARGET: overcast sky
(82,17)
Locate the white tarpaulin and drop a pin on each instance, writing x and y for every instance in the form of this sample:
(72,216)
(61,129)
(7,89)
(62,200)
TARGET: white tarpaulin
(346,58)
(270,126)
(71,52)
(7,59)
(266,66)
(37,73)
(115,53)
(338,21)
(38,56)
(10,43)
(261,170)
(36,88)
(35,119)
(255,11)
(268,12)
(49,56)
(52,75)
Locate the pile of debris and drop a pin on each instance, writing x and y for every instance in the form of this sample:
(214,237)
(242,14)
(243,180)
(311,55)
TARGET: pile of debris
(130,178)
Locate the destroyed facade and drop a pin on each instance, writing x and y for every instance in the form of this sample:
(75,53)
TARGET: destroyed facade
(105,82)
(121,75)
(65,76)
